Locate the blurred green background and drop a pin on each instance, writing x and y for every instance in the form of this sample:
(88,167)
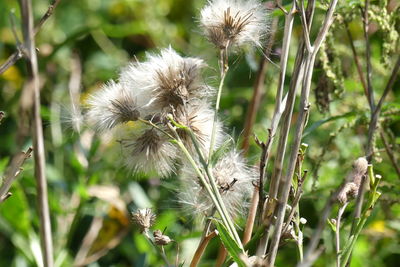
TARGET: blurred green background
(89,41)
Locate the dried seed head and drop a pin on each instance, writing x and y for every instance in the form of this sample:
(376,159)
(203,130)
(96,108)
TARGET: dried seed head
(144,219)
(199,118)
(234,179)
(351,186)
(234,22)
(111,106)
(164,81)
(160,239)
(149,152)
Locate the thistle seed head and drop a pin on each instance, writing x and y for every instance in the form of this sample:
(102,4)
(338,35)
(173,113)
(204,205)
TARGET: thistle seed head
(112,105)
(199,118)
(144,219)
(234,180)
(149,152)
(164,81)
(234,22)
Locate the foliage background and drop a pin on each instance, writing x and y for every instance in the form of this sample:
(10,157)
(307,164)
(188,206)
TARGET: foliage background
(85,174)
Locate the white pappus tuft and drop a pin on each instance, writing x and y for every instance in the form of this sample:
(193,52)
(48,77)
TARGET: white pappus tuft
(149,152)
(234,22)
(164,81)
(110,106)
(199,118)
(234,179)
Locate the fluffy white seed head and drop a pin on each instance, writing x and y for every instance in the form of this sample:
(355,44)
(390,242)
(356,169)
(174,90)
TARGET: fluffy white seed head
(234,179)
(149,152)
(112,105)
(164,81)
(234,22)
(198,116)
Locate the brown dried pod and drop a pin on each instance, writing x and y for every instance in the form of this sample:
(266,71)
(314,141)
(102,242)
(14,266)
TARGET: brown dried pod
(351,186)
(160,239)
(144,219)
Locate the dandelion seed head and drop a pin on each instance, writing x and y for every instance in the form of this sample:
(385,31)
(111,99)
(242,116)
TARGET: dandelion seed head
(149,152)
(234,179)
(110,106)
(234,22)
(165,80)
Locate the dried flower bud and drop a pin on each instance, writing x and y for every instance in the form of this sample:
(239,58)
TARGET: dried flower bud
(289,233)
(160,239)
(352,184)
(144,218)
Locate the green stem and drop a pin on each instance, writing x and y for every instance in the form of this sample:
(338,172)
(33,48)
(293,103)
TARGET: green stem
(203,181)
(224,69)
(230,225)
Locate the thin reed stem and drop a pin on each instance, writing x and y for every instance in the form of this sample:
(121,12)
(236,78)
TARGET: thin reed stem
(224,69)
(37,129)
(301,121)
(337,233)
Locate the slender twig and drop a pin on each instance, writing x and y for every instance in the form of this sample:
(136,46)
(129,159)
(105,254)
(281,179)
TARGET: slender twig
(280,103)
(224,69)
(206,230)
(88,241)
(390,154)
(200,250)
(304,23)
(299,192)
(258,89)
(12,171)
(206,166)
(370,146)
(11,60)
(365,21)
(301,121)
(337,233)
(250,119)
(211,190)
(357,60)
(18,54)
(287,116)
(312,258)
(316,235)
(295,82)
(376,111)
(37,129)
(47,15)
(2,115)
(248,230)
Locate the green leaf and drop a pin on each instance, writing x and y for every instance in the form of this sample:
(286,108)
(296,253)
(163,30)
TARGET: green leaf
(15,210)
(229,243)
(316,124)
(220,151)
(333,227)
